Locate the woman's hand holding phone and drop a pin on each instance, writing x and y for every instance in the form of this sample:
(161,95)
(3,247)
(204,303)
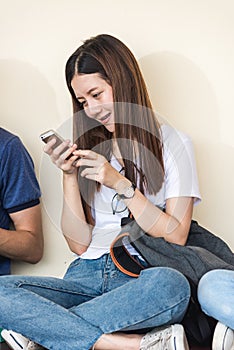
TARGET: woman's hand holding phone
(60,151)
(68,159)
(60,156)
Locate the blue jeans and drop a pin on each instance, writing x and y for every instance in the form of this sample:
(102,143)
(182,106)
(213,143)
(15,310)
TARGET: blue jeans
(93,298)
(216,295)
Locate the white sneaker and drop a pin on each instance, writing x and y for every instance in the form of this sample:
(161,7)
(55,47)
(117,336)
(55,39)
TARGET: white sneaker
(165,338)
(223,338)
(17,341)
(33,346)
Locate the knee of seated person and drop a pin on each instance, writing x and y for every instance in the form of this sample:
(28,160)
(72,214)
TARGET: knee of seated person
(4,280)
(213,302)
(212,279)
(9,281)
(206,283)
(170,278)
(210,289)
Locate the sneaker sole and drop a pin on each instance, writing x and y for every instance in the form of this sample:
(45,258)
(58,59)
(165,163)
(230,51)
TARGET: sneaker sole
(221,334)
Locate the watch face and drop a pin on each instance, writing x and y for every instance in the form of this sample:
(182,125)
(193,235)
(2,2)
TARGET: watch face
(129,192)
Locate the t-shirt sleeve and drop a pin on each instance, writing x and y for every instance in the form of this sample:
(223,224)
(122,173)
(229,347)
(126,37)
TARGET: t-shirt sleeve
(20,188)
(180,167)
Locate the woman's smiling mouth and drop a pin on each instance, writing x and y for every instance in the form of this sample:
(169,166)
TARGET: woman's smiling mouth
(105,119)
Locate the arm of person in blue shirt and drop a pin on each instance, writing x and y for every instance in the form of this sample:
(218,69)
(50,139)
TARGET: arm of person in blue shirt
(25,242)
(19,203)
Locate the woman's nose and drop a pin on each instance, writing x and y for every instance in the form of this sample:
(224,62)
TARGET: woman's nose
(93,109)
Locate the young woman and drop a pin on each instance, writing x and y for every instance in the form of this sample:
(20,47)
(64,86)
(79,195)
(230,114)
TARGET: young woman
(123,161)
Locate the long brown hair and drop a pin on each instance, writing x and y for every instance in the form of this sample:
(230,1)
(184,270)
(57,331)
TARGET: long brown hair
(137,130)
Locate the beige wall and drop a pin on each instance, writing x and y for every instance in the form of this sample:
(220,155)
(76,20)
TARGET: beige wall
(186,51)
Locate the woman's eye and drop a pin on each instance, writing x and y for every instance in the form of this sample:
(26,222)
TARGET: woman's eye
(97,94)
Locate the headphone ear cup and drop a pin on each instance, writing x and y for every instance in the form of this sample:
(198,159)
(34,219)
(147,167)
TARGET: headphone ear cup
(121,257)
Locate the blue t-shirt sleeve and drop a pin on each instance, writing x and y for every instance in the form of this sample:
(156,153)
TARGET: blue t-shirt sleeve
(20,188)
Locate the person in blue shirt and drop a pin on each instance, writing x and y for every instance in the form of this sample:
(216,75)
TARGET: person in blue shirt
(21,236)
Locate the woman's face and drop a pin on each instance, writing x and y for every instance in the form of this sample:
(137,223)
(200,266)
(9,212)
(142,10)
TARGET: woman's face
(96,97)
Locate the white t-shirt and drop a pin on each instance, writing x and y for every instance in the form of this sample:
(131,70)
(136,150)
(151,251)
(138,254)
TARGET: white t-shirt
(180,180)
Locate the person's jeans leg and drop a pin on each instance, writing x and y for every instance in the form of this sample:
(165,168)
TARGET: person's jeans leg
(42,320)
(37,307)
(159,296)
(216,295)
(61,314)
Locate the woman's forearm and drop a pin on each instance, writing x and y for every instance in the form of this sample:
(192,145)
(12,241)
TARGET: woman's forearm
(73,222)
(172,224)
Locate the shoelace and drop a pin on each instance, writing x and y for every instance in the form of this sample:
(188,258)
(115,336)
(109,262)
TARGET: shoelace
(160,338)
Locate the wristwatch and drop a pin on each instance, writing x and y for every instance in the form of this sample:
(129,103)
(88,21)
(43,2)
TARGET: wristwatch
(128,192)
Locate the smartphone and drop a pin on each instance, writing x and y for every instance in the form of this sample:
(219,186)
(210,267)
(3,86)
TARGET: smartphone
(51,134)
